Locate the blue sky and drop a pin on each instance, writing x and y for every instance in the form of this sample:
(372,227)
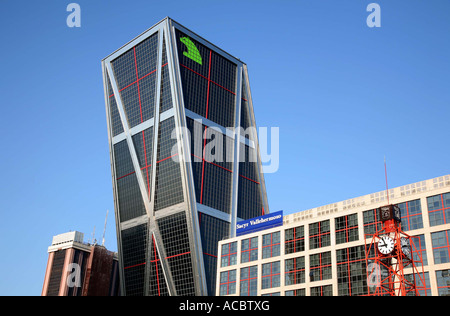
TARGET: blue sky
(343,95)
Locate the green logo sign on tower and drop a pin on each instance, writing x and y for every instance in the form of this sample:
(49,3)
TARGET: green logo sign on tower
(192,52)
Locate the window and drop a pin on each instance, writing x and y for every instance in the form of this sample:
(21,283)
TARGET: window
(178,254)
(422,282)
(272,294)
(229,254)
(371,222)
(249,249)
(346,228)
(209,83)
(270,275)
(440,241)
(212,230)
(326,290)
(249,280)
(294,240)
(228,282)
(320,266)
(351,272)
(411,215)
(418,250)
(443,282)
(271,245)
(319,234)
(297,292)
(294,271)
(439,209)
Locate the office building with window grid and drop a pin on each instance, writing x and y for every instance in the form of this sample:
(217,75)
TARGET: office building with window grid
(77,268)
(184,158)
(321,252)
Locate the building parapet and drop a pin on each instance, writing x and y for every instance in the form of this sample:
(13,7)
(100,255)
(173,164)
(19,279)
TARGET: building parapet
(372,200)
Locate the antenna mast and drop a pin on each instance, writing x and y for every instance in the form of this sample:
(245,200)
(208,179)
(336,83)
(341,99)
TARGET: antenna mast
(93,237)
(385,175)
(390,253)
(104,229)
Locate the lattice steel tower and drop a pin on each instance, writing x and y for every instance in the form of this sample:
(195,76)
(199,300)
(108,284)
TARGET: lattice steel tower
(394,265)
(185,158)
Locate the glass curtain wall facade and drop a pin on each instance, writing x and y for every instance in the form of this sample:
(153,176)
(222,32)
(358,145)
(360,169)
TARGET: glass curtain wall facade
(184,158)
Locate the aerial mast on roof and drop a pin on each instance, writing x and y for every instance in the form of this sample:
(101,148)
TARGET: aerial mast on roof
(390,252)
(94,241)
(104,229)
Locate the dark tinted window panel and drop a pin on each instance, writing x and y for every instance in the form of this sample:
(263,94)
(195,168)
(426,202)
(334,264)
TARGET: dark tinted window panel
(196,132)
(223,72)
(147,90)
(129,198)
(124,69)
(135,73)
(245,113)
(134,281)
(157,282)
(245,118)
(84,261)
(192,63)
(122,158)
(181,267)
(221,103)
(244,94)
(197,175)
(209,87)
(114,287)
(116,123)
(169,189)
(217,187)
(221,106)
(247,165)
(134,241)
(212,230)
(143,142)
(219,149)
(249,195)
(210,264)
(129,195)
(56,273)
(109,90)
(195,91)
(130,100)
(174,232)
(166,93)
(79,257)
(167,142)
(218,155)
(249,199)
(147,55)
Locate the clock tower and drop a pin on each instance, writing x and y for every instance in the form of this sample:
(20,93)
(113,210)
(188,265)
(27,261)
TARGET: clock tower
(389,258)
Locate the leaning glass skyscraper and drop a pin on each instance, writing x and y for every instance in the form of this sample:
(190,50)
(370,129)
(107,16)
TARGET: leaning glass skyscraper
(185,158)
